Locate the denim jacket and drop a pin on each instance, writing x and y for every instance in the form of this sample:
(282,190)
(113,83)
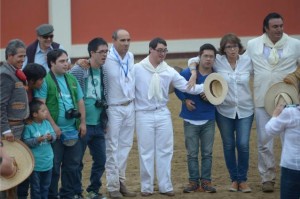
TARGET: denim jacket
(13,97)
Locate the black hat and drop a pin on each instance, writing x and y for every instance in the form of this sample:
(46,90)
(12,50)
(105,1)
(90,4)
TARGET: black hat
(44,29)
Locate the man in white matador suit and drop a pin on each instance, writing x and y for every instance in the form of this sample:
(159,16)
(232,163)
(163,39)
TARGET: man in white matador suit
(153,119)
(119,90)
(274,55)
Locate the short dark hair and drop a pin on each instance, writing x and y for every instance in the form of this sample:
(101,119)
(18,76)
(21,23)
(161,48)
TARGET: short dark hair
(272,15)
(231,38)
(13,46)
(34,106)
(95,43)
(54,54)
(207,47)
(34,72)
(154,42)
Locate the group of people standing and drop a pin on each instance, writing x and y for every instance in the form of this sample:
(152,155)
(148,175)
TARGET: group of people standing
(270,58)
(101,101)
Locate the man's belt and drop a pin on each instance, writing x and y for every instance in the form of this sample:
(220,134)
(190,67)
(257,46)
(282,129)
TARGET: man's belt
(15,122)
(126,103)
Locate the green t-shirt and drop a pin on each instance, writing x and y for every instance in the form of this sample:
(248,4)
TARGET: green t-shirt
(92,92)
(43,153)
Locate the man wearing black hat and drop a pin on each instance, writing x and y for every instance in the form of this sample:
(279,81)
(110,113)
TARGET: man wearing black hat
(37,51)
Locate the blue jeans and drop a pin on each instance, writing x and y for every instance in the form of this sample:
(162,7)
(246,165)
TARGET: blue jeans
(39,184)
(235,133)
(289,184)
(194,135)
(95,140)
(67,159)
(23,188)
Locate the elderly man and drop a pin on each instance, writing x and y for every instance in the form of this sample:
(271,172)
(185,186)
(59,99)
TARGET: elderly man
(37,51)
(274,55)
(13,99)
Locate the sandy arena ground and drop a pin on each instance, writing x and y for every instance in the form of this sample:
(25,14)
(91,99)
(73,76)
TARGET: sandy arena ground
(220,176)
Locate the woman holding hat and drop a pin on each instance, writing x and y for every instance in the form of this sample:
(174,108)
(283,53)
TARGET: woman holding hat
(235,115)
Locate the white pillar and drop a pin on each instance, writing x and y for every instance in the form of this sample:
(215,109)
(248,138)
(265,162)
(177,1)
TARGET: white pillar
(60,18)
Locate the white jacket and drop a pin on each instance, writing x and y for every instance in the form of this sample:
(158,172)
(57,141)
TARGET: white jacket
(265,75)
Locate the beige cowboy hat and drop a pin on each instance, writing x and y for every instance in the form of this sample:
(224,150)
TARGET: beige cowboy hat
(215,88)
(280,93)
(24,162)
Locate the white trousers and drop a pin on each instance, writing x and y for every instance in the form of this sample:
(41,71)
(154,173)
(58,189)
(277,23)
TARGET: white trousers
(155,144)
(119,140)
(266,159)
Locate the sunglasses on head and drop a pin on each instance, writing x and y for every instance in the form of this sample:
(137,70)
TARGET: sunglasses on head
(48,36)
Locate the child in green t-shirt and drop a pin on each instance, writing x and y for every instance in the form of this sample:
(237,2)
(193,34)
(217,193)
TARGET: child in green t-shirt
(38,134)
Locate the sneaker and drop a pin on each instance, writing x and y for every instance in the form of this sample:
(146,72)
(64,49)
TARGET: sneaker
(94,195)
(207,187)
(243,187)
(268,186)
(234,186)
(191,187)
(115,195)
(78,196)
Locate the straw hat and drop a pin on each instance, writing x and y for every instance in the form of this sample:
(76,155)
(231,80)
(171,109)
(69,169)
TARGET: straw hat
(280,93)
(215,88)
(25,163)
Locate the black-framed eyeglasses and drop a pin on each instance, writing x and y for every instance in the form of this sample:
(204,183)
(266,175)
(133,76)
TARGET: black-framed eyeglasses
(161,51)
(102,51)
(48,36)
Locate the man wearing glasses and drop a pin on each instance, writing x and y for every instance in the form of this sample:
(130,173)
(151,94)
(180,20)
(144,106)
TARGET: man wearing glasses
(153,118)
(91,82)
(37,51)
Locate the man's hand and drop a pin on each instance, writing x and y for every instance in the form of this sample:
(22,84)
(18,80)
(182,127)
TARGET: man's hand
(56,130)
(203,96)
(82,129)
(83,63)
(9,137)
(190,104)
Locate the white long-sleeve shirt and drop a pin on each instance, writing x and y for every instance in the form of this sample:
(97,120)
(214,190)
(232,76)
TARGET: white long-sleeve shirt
(167,77)
(287,123)
(238,100)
